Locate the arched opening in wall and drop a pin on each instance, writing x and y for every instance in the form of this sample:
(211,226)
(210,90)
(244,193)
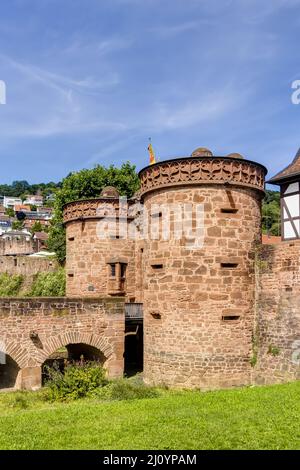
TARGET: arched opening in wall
(79,353)
(9,370)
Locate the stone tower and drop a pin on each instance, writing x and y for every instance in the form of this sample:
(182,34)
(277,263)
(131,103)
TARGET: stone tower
(191,265)
(100,259)
(199,298)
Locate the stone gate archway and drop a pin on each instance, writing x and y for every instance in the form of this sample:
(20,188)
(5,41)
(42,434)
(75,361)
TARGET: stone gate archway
(9,371)
(98,342)
(32,329)
(82,347)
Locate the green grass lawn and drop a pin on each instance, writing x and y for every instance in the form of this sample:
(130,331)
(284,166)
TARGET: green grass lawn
(248,418)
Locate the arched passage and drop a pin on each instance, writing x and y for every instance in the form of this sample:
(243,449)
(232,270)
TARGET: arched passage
(72,353)
(60,342)
(79,351)
(9,371)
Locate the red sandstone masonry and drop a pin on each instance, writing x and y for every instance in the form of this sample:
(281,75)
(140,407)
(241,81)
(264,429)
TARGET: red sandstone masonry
(16,247)
(59,322)
(26,265)
(191,345)
(208,311)
(189,303)
(87,267)
(278,313)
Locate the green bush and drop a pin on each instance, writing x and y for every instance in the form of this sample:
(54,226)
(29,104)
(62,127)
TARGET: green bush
(76,381)
(10,285)
(49,284)
(124,389)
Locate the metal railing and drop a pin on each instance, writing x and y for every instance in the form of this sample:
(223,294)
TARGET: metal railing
(134,311)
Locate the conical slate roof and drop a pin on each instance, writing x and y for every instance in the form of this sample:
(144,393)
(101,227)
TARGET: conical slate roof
(292,170)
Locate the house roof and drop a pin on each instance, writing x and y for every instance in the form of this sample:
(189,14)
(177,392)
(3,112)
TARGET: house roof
(21,207)
(289,172)
(15,233)
(41,236)
(34,196)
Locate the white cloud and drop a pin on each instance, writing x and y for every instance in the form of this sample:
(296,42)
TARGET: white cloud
(60,82)
(45,104)
(210,106)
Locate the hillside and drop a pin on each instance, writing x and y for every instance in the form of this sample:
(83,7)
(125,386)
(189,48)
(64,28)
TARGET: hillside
(22,188)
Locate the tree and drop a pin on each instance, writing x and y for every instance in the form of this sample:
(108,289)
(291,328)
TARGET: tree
(23,188)
(17,225)
(20,187)
(85,184)
(37,227)
(10,212)
(271,213)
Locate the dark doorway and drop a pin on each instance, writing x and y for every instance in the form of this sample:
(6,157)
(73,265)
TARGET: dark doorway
(8,373)
(81,351)
(134,348)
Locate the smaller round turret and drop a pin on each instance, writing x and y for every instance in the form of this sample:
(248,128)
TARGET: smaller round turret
(110,192)
(235,155)
(202,152)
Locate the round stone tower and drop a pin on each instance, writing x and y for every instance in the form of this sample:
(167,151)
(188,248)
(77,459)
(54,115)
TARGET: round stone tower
(199,273)
(100,257)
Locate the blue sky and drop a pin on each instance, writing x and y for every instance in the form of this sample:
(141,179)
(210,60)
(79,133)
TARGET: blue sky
(88,81)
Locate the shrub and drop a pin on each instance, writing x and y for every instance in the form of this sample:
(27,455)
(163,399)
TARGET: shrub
(49,284)
(124,389)
(10,285)
(76,381)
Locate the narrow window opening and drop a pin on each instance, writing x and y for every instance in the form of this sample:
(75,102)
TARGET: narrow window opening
(123,270)
(70,274)
(157,266)
(230,317)
(71,239)
(229,210)
(229,265)
(113,270)
(117,278)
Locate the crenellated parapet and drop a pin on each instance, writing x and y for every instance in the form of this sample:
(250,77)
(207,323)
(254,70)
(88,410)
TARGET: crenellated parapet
(202,170)
(97,209)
